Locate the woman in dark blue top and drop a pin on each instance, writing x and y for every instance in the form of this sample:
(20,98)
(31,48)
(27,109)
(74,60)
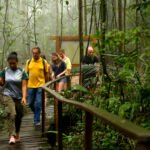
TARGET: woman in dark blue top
(59,69)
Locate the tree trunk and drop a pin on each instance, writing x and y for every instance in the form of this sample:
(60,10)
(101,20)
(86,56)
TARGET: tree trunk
(120,15)
(137,24)
(91,23)
(125,4)
(124,21)
(114,20)
(102,45)
(34,16)
(85,17)
(81,35)
(95,17)
(81,28)
(137,15)
(28,32)
(4,32)
(120,22)
(62,16)
(57,18)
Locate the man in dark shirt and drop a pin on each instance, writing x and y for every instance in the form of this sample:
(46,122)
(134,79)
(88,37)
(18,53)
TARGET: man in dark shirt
(90,58)
(90,68)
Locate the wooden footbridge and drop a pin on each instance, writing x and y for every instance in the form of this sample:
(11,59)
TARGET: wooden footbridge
(32,138)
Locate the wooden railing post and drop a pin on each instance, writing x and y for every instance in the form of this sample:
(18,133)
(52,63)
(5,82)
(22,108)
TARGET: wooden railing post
(143,144)
(88,131)
(56,113)
(68,82)
(60,145)
(43,112)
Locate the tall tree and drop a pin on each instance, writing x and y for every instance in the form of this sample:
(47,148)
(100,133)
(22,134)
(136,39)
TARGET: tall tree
(124,14)
(62,18)
(120,21)
(85,17)
(91,23)
(95,17)
(114,20)
(28,30)
(120,15)
(102,47)
(4,32)
(137,24)
(81,34)
(57,18)
(34,22)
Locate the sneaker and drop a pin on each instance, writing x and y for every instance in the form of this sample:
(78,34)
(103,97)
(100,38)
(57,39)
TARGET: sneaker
(37,124)
(17,139)
(12,140)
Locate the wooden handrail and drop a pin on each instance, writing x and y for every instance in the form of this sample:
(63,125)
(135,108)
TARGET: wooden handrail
(127,128)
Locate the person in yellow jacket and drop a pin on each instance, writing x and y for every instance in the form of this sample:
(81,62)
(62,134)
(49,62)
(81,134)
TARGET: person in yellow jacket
(37,69)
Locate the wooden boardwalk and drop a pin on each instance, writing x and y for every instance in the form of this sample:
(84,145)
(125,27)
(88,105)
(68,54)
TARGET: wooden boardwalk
(31,138)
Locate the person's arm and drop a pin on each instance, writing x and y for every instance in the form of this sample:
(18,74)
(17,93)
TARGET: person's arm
(51,73)
(64,70)
(27,66)
(24,92)
(46,71)
(62,73)
(24,87)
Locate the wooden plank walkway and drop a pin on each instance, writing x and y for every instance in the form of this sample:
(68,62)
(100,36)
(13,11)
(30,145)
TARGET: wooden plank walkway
(31,138)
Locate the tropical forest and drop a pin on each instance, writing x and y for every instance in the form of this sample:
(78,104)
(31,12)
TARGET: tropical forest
(75,74)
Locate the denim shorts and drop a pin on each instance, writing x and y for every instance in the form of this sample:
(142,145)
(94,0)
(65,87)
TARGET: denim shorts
(64,80)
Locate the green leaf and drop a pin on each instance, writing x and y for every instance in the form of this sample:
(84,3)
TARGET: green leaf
(124,109)
(78,87)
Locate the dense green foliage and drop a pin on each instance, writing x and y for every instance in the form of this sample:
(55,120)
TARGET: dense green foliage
(125,93)
(124,81)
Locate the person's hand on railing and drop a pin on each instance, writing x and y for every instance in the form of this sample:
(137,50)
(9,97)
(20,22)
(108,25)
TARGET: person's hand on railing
(53,79)
(58,76)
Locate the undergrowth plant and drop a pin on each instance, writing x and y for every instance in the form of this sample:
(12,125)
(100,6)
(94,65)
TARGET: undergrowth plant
(126,93)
